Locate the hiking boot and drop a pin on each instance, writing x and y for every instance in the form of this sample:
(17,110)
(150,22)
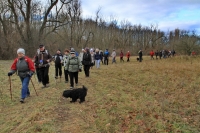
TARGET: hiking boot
(56,77)
(44,86)
(22,100)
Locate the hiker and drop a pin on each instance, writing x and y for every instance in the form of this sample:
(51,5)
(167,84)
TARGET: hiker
(152,54)
(140,55)
(121,56)
(87,60)
(160,54)
(58,57)
(65,57)
(101,52)
(156,53)
(92,58)
(97,57)
(25,69)
(106,57)
(37,70)
(43,58)
(81,55)
(173,52)
(73,65)
(113,55)
(128,56)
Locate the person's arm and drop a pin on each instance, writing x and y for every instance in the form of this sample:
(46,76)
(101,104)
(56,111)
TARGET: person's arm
(79,65)
(14,66)
(67,64)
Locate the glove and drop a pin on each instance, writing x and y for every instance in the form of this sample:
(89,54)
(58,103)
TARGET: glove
(80,70)
(10,73)
(29,74)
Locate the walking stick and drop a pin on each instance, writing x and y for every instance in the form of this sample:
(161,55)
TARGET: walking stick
(10,89)
(34,87)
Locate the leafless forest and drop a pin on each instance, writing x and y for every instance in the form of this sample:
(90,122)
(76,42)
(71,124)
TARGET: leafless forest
(59,24)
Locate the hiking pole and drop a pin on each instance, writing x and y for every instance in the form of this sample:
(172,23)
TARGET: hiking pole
(10,89)
(34,87)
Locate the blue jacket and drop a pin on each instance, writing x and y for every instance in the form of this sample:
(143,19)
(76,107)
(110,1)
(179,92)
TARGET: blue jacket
(97,56)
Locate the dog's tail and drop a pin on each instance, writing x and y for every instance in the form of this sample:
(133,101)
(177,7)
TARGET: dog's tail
(84,88)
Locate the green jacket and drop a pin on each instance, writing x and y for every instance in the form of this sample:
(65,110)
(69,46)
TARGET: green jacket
(73,64)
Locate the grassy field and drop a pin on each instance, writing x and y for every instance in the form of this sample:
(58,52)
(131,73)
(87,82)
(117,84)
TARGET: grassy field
(152,96)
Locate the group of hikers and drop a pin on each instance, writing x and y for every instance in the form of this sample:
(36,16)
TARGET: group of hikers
(71,61)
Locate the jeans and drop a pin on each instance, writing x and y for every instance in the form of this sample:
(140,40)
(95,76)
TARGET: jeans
(25,91)
(113,60)
(97,62)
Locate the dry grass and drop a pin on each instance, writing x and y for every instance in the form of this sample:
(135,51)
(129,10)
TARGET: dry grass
(152,96)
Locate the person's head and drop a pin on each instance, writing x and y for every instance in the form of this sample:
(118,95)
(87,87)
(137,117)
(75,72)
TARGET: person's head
(83,50)
(66,51)
(58,51)
(20,52)
(72,53)
(97,50)
(41,47)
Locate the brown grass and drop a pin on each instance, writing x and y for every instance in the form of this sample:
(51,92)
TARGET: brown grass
(152,96)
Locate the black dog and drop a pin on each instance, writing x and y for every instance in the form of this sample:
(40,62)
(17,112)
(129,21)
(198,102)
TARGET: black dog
(137,59)
(79,93)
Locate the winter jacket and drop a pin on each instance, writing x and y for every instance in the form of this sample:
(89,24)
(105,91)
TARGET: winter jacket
(23,65)
(152,53)
(128,55)
(113,54)
(81,56)
(58,59)
(121,54)
(140,53)
(97,56)
(64,61)
(42,57)
(87,60)
(73,64)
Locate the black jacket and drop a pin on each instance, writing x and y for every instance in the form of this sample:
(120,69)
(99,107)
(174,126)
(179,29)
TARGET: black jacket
(87,59)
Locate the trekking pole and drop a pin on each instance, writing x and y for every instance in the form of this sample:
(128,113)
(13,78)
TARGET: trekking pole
(10,89)
(34,87)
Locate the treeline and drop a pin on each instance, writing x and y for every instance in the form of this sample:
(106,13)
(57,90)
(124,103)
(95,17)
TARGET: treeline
(62,26)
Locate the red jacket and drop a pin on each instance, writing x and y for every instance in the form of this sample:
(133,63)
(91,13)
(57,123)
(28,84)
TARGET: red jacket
(29,62)
(128,55)
(121,54)
(152,53)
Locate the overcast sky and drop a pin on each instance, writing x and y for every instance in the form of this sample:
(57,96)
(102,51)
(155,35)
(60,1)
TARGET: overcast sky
(167,14)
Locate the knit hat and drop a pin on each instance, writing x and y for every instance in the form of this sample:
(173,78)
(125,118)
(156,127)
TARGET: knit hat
(72,52)
(21,50)
(41,46)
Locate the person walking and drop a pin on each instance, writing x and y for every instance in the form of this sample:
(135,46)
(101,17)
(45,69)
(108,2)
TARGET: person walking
(92,58)
(25,68)
(128,56)
(87,60)
(74,66)
(121,56)
(98,58)
(65,57)
(160,54)
(113,55)
(106,57)
(43,58)
(58,57)
(140,55)
(152,54)
(156,53)
(101,52)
